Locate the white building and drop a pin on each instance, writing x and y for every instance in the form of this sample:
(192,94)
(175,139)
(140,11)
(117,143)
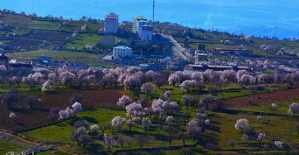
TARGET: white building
(145,32)
(136,22)
(111,23)
(120,52)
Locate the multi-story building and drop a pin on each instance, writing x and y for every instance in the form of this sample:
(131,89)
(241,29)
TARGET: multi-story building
(120,52)
(109,41)
(137,21)
(145,32)
(111,23)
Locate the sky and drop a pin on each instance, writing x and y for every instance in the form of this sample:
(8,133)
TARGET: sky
(208,14)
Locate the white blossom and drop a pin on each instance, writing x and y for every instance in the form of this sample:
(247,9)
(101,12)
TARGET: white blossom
(118,122)
(207,122)
(94,128)
(278,144)
(12,115)
(242,124)
(293,108)
(274,106)
(261,136)
(77,107)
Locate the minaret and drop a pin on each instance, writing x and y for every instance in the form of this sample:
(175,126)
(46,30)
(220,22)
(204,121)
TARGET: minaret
(196,57)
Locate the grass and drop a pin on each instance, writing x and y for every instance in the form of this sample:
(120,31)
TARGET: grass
(220,132)
(51,152)
(82,40)
(44,25)
(56,55)
(87,58)
(12,145)
(62,131)
(233,91)
(17,20)
(76,25)
(282,126)
(27,22)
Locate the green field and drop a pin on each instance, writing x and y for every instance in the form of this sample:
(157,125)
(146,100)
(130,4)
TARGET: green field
(27,22)
(82,40)
(12,145)
(76,25)
(234,91)
(87,58)
(62,131)
(44,25)
(220,132)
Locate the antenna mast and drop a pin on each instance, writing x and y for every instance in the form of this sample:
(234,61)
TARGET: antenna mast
(153,12)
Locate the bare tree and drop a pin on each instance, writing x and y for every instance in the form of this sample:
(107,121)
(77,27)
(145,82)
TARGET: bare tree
(105,127)
(121,141)
(183,136)
(232,143)
(129,141)
(142,140)
(171,135)
(85,139)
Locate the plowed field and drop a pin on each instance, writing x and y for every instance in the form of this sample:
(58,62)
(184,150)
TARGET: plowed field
(257,99)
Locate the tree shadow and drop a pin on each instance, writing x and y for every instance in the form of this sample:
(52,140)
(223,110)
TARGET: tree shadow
(21,110)
(213,128)
(90,119)
(51,92)
(40,109)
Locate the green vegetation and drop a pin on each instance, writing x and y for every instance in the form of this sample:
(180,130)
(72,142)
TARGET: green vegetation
(91,27)
(87,58)
(51,152)
(56,55)
(14,145)
(43,25)
(233,91)
(220,132)
(82,40)
(62,131)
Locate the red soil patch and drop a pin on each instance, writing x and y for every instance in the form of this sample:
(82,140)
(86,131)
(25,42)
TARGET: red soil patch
(258,99)
(30,118)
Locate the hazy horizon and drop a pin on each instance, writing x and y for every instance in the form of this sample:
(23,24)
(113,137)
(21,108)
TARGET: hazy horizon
(223,15)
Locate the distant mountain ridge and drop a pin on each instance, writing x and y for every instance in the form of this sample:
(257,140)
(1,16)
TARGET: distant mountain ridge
(262,31)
